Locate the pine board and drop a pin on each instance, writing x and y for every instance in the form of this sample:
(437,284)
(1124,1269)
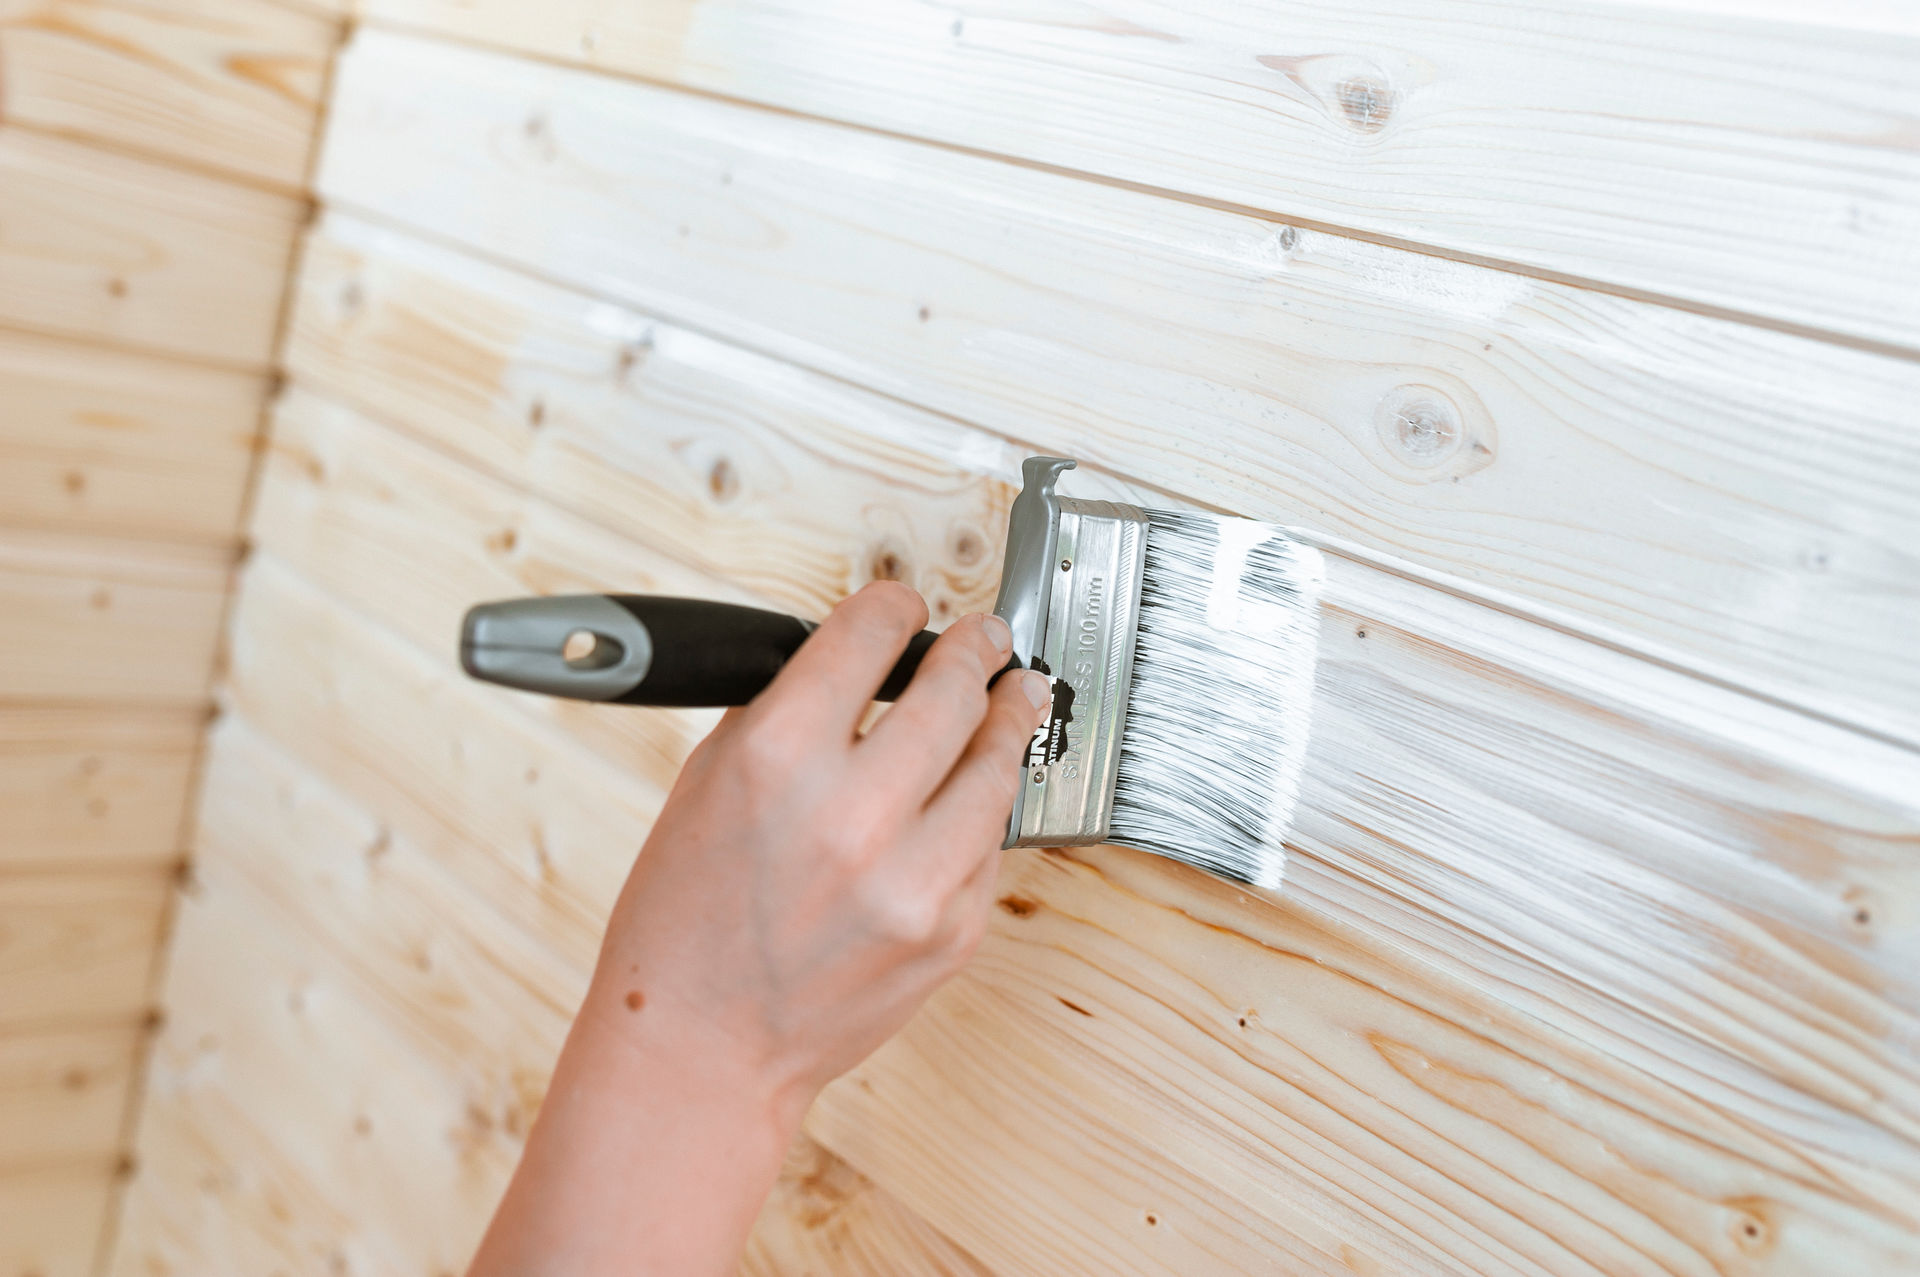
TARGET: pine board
(1731,498)
(100,244)
(93,787)
(77,947)
(232,85)
(1765,167)
(1715,938)
(50,1220)
(99,440)
(387,1039)
(63,1095)
(100,620)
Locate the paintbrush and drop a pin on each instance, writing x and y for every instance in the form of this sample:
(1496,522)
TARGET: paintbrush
(1180,647)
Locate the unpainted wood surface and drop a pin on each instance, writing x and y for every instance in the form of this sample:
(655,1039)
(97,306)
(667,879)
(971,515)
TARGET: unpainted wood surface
(1647,147)
(77,947)
(1764,1022)
(50,1220)
(100,244)
(63,1094)
(99,440)
(99,786)
(347,1042)
(103,620)
(231,85)
(1717,494)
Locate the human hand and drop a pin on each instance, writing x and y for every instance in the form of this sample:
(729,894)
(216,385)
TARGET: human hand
(803,891)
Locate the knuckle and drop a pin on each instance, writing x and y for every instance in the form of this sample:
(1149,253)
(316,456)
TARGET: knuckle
(903,917)
(767,750)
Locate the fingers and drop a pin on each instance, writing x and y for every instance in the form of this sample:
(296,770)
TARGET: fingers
(828,684)
(915,745)
(969,812)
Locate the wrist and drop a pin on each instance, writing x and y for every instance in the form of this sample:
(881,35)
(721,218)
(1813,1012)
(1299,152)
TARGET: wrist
(645,1050)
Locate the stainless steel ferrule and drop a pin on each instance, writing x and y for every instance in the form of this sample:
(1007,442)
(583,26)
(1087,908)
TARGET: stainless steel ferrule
(1071,592)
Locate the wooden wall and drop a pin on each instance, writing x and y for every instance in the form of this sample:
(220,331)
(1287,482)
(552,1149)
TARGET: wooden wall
(1584,338)
(153,159)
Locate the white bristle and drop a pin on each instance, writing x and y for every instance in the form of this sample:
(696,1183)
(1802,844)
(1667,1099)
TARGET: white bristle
(1217,718)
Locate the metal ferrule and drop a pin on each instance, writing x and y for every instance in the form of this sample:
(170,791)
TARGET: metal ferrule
(1070,591)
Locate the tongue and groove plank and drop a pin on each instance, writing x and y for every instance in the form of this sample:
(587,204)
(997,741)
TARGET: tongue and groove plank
(361,1045)
(98,620)
(1763,167)
(77,947)
(232,85)
(93,787)
(98,440)
(1731,971)
(1728,497)
(63,1095)
(51,1219)
(104,245)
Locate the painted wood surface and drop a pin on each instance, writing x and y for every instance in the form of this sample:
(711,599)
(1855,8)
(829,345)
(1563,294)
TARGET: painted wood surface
(1731,498)
(1650,148)
(229,85)
(98,440)
(104,245)
(100,620)
(93,787)
(63,1095)
(355,1062)
(1753,1039)
(53,1220)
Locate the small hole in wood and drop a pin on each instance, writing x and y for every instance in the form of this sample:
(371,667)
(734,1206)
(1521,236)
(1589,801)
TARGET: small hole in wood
(1361,632)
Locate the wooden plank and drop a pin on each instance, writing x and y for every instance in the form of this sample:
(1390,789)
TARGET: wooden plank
(103,245)
(1721,496)
(1698,902)
(63,1095)
(93,787)
(1733,174)
(98,440)
(732,450)
(824,1217)
(1142,1074)
(228,84)
(51,1220)
(77,947)
(374,980)
(92,619)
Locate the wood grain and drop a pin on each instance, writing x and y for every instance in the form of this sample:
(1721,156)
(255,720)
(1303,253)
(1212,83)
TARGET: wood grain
(98,440)
(1568,842)
(77,947)
(100,244)
(1758,166)
(63,1095)
(1725,497)
(232,85)
(50,1220)
(727,452)
(379,1058)
(86,787)
(97,619)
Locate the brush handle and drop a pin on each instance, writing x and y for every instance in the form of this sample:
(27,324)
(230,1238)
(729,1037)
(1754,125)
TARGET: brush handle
(644,649)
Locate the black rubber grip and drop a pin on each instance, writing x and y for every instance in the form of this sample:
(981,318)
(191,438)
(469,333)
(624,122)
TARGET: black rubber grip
(713,654)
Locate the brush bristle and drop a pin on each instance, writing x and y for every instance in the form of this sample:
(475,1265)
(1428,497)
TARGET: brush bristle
(1223,672)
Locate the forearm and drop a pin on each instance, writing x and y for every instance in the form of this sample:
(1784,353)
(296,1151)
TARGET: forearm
(651,1155)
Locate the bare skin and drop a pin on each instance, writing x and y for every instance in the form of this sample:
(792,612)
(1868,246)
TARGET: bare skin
(801,894)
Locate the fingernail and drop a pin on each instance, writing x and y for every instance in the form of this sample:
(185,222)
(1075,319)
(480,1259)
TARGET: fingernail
(997,632)
(1037,686)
